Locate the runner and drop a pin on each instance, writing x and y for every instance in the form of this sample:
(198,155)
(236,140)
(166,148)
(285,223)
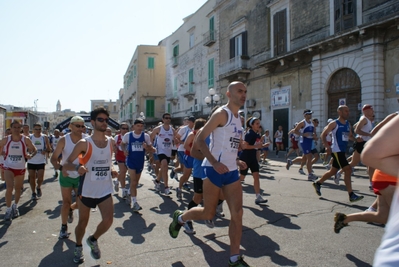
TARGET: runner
(341,130)
(224,127)
(278,136)
(248,155)
(15,150)
(68,183)
(266,140)
(95,186)
(121,160)
(134,144)
(166,134)
(53,142)
(36,165)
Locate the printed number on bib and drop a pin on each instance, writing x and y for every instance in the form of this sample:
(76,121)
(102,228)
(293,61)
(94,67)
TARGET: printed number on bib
(100,173)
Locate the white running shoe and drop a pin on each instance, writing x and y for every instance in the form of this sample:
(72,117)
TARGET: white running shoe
(337,177)
(188,227)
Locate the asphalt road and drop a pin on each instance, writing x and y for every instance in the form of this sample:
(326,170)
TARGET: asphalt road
(295,228)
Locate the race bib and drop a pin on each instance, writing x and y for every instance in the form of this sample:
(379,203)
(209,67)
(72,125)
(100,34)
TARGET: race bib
(137,146)
(100,173)
(345,136)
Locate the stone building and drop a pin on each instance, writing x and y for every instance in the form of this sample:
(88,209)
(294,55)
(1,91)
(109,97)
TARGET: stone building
(111,106)
(310,54)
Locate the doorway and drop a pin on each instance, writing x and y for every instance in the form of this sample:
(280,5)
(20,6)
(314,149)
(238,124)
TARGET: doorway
(280,117)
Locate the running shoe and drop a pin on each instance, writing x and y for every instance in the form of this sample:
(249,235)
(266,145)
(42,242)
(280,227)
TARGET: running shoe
(179,193)
(78,255)
(188,228)
(186,187)
(337,177)
(317,188)
(312,177)
(239,263)
(157,185)
(63,233)
(116,185)
(219,210)
(167,191)
(339,222)
(70,216)
(7,217)
(39,192)
(34,197)
(260,200)
(301,172)
(124,193)
(95,250)
(210,223)
(289,163)
(174,226)
(15,211)
(355,198)
(136,207)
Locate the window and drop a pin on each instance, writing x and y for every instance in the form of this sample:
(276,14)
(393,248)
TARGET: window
(344,15)
(212,28)
(149,108)
(192,40)
(151,63)
(280,32)
(175,87)
(176,51)
(238,45)
(191,80)
(211,73)
(130,108)
(134,71)
(169,108)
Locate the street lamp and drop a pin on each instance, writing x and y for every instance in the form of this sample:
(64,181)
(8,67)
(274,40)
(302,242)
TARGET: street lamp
(212,98)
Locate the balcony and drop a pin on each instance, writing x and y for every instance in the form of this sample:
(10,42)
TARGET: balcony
(209,38)
(172,97)
(188,93)
(235,69)
(175,61)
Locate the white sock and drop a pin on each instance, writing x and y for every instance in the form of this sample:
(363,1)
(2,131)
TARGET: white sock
(134,199)
(180,219)
(8,209)
(234,258)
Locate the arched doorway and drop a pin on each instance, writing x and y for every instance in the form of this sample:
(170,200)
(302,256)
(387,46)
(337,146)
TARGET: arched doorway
(345,86)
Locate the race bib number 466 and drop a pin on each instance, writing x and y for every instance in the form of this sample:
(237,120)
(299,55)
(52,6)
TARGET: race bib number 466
(100,173)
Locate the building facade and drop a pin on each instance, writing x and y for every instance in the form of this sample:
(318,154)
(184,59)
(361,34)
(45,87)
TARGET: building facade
(143,92)
(111,106)
(192,61)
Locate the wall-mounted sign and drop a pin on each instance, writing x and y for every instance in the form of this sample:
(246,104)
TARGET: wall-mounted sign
(342,102)
(281,97)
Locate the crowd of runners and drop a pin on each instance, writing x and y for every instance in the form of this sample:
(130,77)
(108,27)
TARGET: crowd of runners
(218,152)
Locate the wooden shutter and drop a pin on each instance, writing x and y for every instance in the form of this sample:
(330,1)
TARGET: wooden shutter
(280,32)
(232,48)
(245,43)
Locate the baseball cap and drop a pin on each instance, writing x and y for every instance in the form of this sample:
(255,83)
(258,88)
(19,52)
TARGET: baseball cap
(307,111)
(329,120)
(192,119)
(185,118)
(138,121)
(77,119)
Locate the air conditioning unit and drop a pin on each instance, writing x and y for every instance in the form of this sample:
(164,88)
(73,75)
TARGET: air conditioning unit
(250,103)
(197,107)
(192,109)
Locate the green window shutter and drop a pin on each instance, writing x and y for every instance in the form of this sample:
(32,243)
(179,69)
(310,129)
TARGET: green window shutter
(130,108)
(176,51)
(175,87)
(191,80)
(211,73)
(212,28)
(169,108)
(150,108)
(134,71)
(151,63)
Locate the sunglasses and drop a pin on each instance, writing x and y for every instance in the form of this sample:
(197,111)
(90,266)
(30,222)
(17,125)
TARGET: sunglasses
(102,120)
(37,129)
(167,118)
(124,128)
(79,126)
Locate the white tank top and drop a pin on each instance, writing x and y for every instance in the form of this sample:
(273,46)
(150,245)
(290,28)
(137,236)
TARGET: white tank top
(164,141)
(97,182)
(39,143)
(15,154)
(279,137)
(366,128)
(225,141)
(55,142)
(68,148)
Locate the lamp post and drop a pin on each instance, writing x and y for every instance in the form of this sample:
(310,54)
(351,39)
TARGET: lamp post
(212,99)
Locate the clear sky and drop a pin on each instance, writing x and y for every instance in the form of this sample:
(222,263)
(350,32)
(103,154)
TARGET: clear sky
(77,50)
